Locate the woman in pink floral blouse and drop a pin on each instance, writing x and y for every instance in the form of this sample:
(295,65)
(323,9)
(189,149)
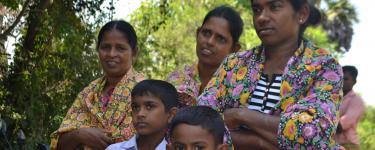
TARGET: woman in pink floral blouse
(299,81)
(216,38)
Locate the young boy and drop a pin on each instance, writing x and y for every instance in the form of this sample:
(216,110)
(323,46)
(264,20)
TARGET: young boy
(195,128)
(154,104)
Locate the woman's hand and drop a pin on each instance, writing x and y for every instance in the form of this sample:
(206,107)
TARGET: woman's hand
(232,119)
(95,138)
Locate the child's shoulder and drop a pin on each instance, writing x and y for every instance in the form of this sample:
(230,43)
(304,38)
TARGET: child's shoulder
(131,143)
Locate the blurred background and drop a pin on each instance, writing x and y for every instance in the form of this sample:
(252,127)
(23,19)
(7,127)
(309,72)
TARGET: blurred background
(47,52)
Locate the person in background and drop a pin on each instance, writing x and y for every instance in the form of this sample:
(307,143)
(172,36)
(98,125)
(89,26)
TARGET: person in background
(285,92)
(197,128)
(351,111)
(100,115)
(154,104)
(216,38)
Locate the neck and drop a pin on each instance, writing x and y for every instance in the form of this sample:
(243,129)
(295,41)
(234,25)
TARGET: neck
(346,91)
(149,142)
(205,74)
(112,81)
(280,51)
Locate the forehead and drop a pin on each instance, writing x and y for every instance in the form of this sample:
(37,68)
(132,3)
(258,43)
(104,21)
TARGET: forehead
(145,98)
(114,34)
(266,2)
(347,74)
(191,134)
(218,25)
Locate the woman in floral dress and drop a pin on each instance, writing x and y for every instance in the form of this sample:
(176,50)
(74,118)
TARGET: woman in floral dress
(100,115)
(284,93)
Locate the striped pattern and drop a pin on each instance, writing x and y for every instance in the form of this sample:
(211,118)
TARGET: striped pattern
(266,94)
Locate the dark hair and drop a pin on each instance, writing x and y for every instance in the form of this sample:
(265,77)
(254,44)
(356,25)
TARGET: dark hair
(233,18)
(203,116)
(165,91)
(124,27)
(314,15)
(351,70)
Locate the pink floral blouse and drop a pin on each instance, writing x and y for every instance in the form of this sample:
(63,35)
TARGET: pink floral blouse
(310,94)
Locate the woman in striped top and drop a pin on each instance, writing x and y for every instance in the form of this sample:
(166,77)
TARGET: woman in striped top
(299,80)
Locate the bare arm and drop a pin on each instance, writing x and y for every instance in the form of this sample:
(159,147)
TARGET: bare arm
(92,137)
(243,140)
(263,124)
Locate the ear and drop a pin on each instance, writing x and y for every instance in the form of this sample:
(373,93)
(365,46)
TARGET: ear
(303,14)
(172,112)
(223,147)
(354,82)
(236,47)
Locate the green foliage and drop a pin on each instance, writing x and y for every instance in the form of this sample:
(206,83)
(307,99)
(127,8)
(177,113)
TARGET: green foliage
(45,78)
(366,129)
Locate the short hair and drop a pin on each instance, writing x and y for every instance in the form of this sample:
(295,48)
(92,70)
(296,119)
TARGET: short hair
(163,90)
(203,116)
(124,27)
(351,70)
(231,16)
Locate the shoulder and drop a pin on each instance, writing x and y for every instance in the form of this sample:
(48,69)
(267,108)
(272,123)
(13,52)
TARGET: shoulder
(93,84)
(315,54)
(242,58)
(181,72)
(115,146)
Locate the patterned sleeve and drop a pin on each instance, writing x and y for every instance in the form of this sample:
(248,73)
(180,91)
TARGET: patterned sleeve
(77,117)
(310,121)
(214,94)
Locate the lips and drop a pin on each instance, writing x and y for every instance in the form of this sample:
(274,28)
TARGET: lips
(206,52)
(265,31)
(111,63)
(141,124)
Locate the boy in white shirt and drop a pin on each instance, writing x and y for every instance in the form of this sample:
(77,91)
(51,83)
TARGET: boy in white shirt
(154,104)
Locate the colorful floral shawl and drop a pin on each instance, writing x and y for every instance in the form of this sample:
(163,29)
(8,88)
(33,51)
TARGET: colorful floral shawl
(187,83)
(310,94)
(86,110)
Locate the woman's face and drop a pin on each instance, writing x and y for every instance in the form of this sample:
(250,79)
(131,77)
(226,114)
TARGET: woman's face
(115,53)
(275,21)
(214,41)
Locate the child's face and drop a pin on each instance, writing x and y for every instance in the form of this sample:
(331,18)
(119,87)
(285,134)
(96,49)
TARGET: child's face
(193,137)
(149,115)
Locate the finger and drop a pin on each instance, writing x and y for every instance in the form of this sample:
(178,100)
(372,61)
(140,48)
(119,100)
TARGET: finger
(107,140)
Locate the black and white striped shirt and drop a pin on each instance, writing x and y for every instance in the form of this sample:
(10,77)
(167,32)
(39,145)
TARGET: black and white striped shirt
(266,94)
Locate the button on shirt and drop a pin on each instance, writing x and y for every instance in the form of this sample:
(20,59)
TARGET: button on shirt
(132,145)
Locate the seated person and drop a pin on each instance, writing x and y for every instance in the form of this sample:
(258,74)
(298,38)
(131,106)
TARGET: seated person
(197,127)
(154,104)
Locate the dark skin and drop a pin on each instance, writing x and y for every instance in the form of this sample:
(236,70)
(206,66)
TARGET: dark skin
(115,56)
(277,25)
(214,43)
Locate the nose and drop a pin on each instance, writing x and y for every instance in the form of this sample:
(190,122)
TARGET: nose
(263,17)
(112,52)
(211,40)
(141,113)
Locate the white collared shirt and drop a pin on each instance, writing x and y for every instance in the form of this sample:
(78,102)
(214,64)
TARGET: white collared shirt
(132,145)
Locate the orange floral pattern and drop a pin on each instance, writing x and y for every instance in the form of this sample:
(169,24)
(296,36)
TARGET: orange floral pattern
(85,111)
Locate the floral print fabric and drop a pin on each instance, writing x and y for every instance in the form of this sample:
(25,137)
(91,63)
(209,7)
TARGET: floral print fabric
(187,83)
(87,111)
(310,94)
